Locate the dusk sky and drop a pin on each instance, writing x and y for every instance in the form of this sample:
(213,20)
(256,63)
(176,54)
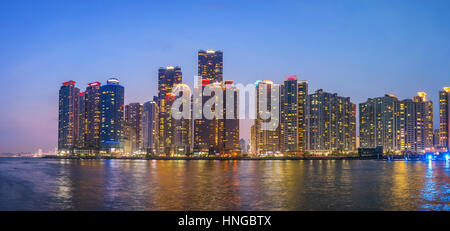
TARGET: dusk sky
(359,49)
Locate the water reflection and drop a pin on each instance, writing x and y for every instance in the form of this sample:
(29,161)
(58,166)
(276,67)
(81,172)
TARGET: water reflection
(436,193)
(38,184)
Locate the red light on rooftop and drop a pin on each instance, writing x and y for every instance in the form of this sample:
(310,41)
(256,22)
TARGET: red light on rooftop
(94,84)
(292,77)
(70,82)
(205,82)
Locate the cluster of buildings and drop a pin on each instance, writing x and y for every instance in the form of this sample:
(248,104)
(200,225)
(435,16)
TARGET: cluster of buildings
(97,122)
(397,125)
(317,123)
(325,123)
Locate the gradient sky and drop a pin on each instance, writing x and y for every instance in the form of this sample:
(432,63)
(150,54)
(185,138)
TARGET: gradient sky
(359,49)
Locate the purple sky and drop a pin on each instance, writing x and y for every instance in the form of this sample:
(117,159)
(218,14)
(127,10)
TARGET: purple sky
(359,49)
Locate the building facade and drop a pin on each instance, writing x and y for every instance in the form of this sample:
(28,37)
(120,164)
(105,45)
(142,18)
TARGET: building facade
(293,115)
(229,125)
(444,118)
(331,123)
(267,138)
(378,123)
(218,135)
(92,97)
(81,141)
(417,124)
(68,117)
(210,65)
(150,125)
(182,131)
(133,128)
(112,117)
(168,77)
(207,131)
(398,126)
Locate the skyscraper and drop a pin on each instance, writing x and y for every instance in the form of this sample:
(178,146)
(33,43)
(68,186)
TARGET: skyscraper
(133,129)
(209,134)
(182,135)
(418,124)
(81,141)
(150,124)
(405,125)
(253,140)
(206,130)
(210,65)
(92,116)
(112,121)
(293,96)
(68,117)
(444,118)
(268,140)
(331,123)
(217,135)
(168,77)
(378,123)
(228,127)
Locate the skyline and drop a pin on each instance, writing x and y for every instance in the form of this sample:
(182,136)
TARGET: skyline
(38,62)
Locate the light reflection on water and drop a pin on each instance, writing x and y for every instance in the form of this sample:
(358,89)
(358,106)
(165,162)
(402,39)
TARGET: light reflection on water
(46,184)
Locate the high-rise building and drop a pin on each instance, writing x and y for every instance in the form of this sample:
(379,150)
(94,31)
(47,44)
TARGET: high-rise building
(217,135)
(417,124)
(206,130)
(210,65)
(182,132)
(112,117)
(168,77)
(268,139)
(228,127)
(331,123)
(444,118)
(405,125)
(92,116)
(68,117)
(293,96)
(133,129)
(81,141)
(253,140)
(425,109)
(150,127)
(378,123)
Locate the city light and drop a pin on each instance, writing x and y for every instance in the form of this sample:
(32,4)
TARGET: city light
(102,126)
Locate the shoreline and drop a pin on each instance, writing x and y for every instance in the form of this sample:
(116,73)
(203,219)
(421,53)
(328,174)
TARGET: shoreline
(212,158)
